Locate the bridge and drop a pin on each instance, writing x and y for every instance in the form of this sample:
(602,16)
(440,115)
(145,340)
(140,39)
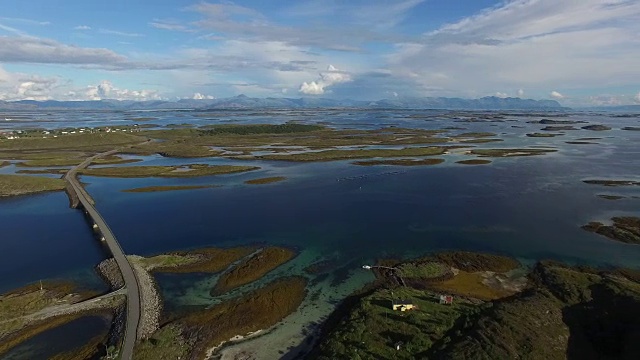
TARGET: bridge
(80,198)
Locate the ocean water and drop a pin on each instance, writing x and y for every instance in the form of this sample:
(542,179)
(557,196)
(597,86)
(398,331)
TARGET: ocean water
(527,207)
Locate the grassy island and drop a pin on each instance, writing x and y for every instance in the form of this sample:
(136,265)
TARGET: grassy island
(623,229)
(331,155)
(12,185)
(543,135)
(4,163)
(510,152)
(558,128)
(474,162)
(193,170)
(401,162)
(203,330)
(207,260)
(253,268)
(267,180)
(612,182)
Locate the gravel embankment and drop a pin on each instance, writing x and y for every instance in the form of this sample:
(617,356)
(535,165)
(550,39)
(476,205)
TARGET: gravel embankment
(110,273)
(151,301)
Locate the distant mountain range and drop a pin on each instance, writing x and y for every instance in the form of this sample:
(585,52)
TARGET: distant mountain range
(245,102)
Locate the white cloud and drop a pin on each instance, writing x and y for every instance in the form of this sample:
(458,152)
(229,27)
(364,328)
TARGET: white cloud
(119,33)
(106,90)
(556,95)
(539,44)
(82,27)
(198,96)
(327,78)
(169,25)
(520,93)
(33,50)
(502,95)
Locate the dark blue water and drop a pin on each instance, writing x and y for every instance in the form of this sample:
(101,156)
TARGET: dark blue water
(42,238)
(62,339)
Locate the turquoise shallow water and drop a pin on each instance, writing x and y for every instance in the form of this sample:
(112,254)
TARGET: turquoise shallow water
(531,208)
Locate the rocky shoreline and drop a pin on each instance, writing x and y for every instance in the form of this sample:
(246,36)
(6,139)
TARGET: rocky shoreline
(150,298)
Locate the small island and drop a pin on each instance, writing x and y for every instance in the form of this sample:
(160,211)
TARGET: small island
(474,162)
(623,229)
(401,162)
(596,127)
(267,180)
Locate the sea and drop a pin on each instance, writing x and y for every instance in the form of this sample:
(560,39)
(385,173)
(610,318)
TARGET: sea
(530,208)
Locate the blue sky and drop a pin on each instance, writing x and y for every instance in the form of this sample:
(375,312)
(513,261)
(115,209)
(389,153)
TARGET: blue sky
(579,52)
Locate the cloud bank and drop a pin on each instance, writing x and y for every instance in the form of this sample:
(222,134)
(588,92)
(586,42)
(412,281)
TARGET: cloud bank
(327,79)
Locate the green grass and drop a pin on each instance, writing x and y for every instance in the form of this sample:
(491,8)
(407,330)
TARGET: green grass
(12,185)
(287,128)
(267,180)
(165,344)
(330,155)
(168,261)
(372,329)
(192,170)
(423,270)
(172,148)
(257,310)
(253,268)
(510,152)
(401,162)
(543,135)
(474,162)
(4,163)
(84,142)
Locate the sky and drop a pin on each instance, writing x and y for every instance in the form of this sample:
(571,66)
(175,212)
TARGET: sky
(579,52)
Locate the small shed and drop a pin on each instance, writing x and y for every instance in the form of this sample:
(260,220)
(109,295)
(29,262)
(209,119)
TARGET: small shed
(446,299)
(402,305)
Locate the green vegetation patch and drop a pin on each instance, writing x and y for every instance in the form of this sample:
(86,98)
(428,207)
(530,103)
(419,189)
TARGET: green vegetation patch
(173,148)
(400,162)
(193,170)
(480,141)
(85,142)
(543,135)
(267,180)
(168,343)
(623,229)
(471,261)
(287,128)
(4,163)
(474,162)
(610,197)
(510,152)
(209,260)
(372,330)
(12,185)
(423,270)
(169,188)
(251,136)
(257,310)
(253,268)
(330,155)
(612,182)
(475,135)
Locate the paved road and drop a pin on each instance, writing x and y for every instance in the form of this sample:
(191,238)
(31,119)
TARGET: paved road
(130,280)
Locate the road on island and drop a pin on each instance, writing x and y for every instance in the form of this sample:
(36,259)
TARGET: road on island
(130,280)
